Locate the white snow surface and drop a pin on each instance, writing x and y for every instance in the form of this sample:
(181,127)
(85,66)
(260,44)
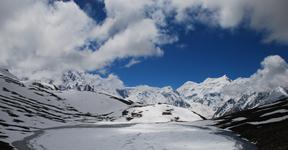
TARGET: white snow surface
(275,112)
(166,136)
(272,120)
(160,113)
(92,102)
(239,119)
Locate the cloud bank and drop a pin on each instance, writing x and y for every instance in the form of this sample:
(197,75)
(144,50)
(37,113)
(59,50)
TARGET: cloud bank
(272,74)
(40,38)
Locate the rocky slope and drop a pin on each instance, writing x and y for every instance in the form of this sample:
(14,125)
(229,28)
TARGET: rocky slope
(266,126)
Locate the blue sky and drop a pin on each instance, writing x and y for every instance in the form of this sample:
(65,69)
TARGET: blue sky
(203,52)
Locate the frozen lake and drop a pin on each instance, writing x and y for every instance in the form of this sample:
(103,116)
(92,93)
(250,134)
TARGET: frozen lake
(158,136)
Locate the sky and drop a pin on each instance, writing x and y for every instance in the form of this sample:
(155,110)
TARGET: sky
(207,53)
(154,42)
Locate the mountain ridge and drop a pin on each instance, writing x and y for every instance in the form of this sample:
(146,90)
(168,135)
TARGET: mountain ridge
(208,98)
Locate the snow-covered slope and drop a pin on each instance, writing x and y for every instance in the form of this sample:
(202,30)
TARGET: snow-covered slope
(28,107)
(94,103)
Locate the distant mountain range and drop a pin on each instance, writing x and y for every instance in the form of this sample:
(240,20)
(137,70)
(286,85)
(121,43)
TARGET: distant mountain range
(211,98)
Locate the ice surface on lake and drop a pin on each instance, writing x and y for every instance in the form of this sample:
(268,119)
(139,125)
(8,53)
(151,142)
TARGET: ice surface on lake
(167,136)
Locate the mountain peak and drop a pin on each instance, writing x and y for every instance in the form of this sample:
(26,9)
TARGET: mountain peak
(167,88)
(188,84)
(83,81)
(223,79)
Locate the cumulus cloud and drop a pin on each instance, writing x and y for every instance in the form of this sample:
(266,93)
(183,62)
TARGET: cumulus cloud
(273,74)
(40,38)
(260,15)
(270,16)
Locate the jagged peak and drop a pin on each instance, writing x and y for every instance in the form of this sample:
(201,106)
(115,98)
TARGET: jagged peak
(167,89)
(224,78)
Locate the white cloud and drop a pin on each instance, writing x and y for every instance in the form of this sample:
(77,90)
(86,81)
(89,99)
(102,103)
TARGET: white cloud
(273,74)
(131,63)
(39,39)
(132,42)
(42,40)
(269,16)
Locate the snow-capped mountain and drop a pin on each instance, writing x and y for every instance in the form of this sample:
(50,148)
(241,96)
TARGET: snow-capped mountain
(83,81)
(214,98)
(153,95)
(111,85)
(211,98)
(206,97)
(251,100)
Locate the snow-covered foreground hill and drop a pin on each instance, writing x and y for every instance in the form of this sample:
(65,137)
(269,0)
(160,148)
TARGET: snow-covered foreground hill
(25,108)
(165,136)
